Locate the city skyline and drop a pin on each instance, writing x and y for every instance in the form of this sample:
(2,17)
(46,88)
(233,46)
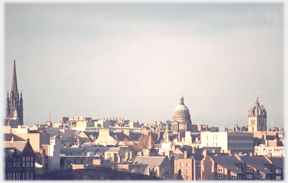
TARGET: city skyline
(135,60)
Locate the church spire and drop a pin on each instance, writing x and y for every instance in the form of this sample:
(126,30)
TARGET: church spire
(150,144)
(14,79)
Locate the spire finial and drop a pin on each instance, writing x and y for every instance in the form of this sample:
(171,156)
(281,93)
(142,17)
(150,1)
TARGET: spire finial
(182,100)
(14,79)
(257,98)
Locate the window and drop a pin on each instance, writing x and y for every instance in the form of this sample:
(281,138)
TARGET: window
(18,163)
(278,171)
(23,163)
(187,164)
(187,178)
(181,164)
(220,169)
(249,176)
(262,176)
(249,170)
(31,175)
(233,176)
(207,137)
(187,171)
(27,158)
(32,158)
(27,175)
(278,177)
(220,176)
(27,164)
(31,164)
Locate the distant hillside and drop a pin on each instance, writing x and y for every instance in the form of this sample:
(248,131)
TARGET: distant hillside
(98,173)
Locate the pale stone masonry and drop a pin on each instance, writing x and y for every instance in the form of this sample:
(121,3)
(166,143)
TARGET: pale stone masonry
(257,117)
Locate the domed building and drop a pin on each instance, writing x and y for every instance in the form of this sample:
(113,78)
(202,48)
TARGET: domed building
(181,118)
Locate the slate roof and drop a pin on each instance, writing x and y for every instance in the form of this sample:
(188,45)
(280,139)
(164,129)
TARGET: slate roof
(193,156)
(278,161)
(151,161)
(172,136)
(19,145)
(134,136)
(257,162)
(228,162)
(120,136)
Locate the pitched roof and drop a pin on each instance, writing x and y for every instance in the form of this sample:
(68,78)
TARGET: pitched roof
(257,162)
(120,136)
(228,162)
(151,161)
(19,145)
(278,161)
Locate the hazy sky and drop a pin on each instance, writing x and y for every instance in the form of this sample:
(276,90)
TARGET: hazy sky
(135,60)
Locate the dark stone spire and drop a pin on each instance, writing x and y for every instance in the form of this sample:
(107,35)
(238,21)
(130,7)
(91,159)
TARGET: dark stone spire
(14,104)
(14,80)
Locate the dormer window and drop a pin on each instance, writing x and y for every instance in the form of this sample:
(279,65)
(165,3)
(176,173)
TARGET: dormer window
(249,170)
(220,170)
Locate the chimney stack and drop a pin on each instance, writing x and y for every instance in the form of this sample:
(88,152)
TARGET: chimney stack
(185,154)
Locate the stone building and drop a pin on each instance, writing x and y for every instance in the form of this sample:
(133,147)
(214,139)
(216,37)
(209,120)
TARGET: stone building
(14,104)
(19,160)
(257,118)
(189,166)
(181,118)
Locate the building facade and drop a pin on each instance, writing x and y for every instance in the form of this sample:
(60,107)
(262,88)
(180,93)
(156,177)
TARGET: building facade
(19,160)
(257,117)
(234,142)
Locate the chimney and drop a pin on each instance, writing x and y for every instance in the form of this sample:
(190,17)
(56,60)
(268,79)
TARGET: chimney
(251,154)
(213,151)
(119,158)
(126,156)
(12,139)
(240,153)
(131,155)
(205,152)
(185,154)
(193,150)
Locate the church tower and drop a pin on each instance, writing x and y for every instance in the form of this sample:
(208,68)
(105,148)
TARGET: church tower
(14,104)
(257,117)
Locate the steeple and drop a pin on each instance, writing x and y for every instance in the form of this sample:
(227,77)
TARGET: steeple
(14,80)
(14,104)
(150,144)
